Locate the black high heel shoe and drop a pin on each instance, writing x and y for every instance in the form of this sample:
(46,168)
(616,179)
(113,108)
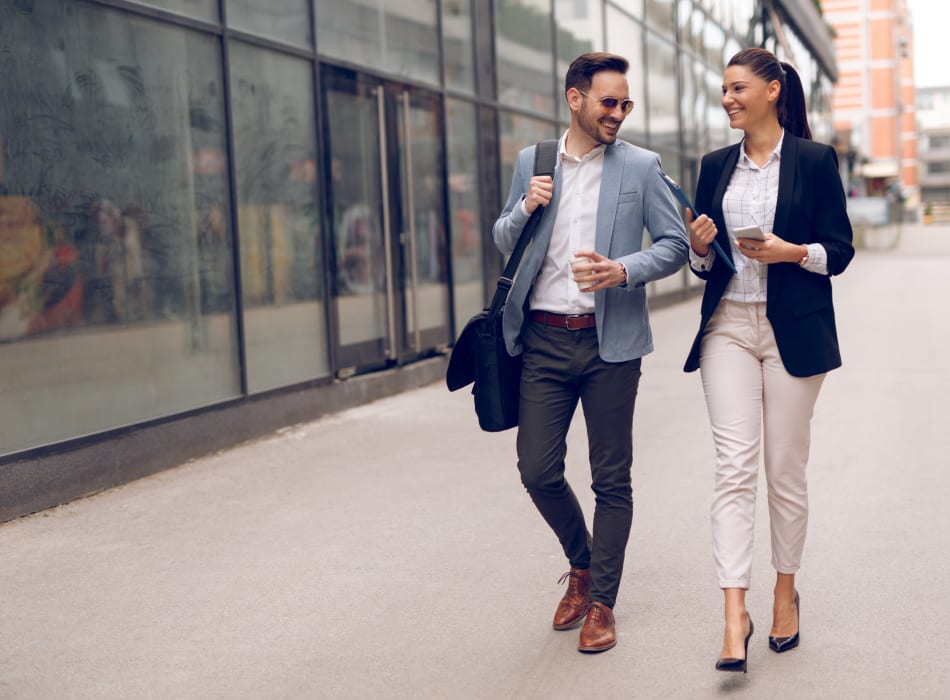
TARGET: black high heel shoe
(781,644)
(738,665)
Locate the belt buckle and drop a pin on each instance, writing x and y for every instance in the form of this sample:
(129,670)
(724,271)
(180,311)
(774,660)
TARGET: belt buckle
(569,318)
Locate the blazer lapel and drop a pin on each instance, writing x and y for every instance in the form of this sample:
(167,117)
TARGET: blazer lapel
(610,181)
(725,175)
(786,185)
(783,210)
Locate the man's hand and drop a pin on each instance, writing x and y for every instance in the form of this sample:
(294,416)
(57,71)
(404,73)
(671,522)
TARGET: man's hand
(603,272)
(539,194)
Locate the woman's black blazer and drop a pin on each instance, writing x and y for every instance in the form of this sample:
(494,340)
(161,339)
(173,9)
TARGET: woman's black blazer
(811,208)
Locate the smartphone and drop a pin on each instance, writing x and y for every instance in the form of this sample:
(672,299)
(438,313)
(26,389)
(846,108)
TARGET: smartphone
(749,232)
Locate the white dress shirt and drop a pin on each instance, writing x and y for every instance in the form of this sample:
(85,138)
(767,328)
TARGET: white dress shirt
(750,200)
(574,229)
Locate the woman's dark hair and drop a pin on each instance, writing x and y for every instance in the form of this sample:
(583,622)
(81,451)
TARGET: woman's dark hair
(587,65)
(792,113)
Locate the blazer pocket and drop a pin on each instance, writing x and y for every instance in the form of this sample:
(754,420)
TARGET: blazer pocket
(628,197)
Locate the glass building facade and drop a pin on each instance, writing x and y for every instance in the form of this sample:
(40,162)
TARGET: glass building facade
(206,202)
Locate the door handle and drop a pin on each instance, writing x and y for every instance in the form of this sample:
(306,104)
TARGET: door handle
(387,224)
(411,207)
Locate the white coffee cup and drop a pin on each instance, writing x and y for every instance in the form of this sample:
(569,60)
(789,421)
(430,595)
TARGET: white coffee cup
(581,261)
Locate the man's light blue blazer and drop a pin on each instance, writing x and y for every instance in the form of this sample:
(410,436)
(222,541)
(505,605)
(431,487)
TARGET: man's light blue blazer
(632,196)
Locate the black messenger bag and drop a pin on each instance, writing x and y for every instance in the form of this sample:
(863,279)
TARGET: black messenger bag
(479,354)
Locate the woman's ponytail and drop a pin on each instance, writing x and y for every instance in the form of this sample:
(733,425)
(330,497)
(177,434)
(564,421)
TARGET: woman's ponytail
(792,113)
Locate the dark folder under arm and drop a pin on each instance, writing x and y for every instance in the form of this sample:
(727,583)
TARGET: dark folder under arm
(684,200)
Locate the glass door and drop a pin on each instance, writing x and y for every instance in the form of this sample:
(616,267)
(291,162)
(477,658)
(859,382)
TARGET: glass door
(387,204)
(422,222)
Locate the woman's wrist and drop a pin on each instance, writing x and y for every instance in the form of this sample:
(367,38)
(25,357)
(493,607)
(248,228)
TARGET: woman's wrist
(799,255)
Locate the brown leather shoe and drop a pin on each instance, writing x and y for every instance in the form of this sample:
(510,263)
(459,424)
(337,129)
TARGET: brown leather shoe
(598,632)
(576,601)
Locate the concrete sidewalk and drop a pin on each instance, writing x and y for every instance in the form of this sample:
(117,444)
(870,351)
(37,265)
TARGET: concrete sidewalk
(390,551)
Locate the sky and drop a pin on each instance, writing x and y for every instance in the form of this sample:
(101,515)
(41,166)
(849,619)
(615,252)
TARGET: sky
(931,19)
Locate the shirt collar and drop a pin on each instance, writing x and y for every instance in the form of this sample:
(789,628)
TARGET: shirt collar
(564,155)
(746,162)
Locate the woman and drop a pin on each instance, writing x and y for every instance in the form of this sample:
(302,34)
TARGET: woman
(767,333)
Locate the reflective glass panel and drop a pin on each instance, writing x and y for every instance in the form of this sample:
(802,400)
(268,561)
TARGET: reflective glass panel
(714,40)
(284,20)
(716,118)
(278,217)
(744,12)
(634,7)
(660,15)
(697,23)
(465,219)
(699,107)
(362,245)
(116,289)
(683,18)
(395,36)
(525,55)
(663,96)
(199,9)
(690,115)
(457,45)
(517,132)
(732,47)
(580,29)
(422,222)
(625,37)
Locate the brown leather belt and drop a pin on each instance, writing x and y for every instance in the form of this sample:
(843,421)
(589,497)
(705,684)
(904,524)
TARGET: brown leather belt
(574,322)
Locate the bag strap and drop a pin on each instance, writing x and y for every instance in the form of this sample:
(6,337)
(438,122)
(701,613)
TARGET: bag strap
(545,158)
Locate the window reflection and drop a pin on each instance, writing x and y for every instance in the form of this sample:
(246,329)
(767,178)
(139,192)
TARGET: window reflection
(524,53)
(713,42)
(625,37)
(466,223)
(518,132)
(690,114)
(716,118)
(635,7)
(115,173)
(284,20)
(580,28)
(200,9)
(684,15)
(279,217)
(660,15)
(663,98)
(457,45)
(399,38)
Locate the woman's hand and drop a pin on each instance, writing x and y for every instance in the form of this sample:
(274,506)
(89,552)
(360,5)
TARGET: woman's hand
(772,250)
(702,232)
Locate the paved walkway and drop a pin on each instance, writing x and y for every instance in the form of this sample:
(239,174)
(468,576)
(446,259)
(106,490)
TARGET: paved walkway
(390,552)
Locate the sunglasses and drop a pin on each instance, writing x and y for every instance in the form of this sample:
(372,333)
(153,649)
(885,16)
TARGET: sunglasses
(626,106)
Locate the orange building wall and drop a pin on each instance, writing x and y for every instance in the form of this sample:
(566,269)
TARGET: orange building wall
(884,137)
(875,89)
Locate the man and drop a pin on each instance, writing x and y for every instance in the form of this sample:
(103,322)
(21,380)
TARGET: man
(587,344)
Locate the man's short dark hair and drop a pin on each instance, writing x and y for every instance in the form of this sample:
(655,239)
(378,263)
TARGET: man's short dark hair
(587,65)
